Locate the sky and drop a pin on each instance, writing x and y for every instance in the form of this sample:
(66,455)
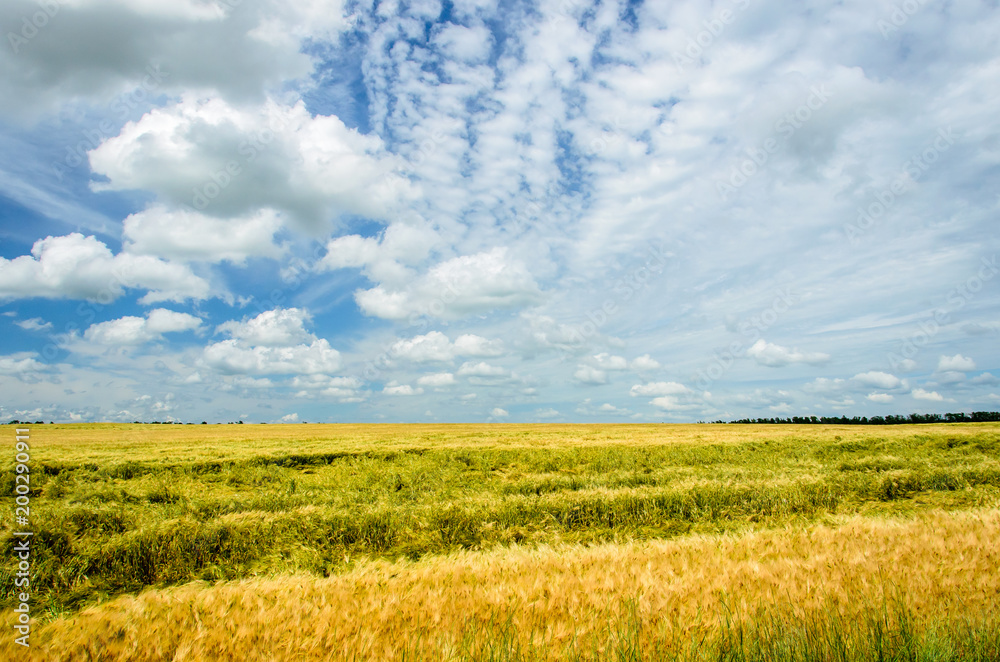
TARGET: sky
(516,211)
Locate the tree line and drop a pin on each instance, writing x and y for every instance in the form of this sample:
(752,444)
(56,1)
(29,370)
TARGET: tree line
(974,417)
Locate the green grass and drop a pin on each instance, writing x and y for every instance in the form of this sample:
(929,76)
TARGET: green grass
(105,529)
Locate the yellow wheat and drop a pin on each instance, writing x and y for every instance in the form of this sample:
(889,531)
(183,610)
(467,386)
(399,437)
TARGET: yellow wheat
(943,564)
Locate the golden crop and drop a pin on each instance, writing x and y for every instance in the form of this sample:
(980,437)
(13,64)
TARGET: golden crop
(509,542)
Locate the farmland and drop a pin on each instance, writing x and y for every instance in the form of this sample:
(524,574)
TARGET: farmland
(493,542)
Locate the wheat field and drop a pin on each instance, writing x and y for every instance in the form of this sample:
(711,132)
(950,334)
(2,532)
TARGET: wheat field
(510,542)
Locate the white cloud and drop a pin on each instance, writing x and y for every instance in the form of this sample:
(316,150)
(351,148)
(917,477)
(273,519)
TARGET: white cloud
(956,363)
(671,403)
(878,379)
(437,380)
(20,364)
(658,388)
(79,267)
(272,343)
(436,346)
(590,375)
(497,412)
(480,369)
(548,412)
(402,389)
(131,330)
(771,355)
(880,397)
(350,251)
(345,389)
(645,362)
(462,286)
(921,394)
(229,357)
(472,345)
(34,324)
(233,162)
(465,44)
(237,49)
(188,235)
(433,346)
(272,328)
(290,418)
(240,382)
(607,361)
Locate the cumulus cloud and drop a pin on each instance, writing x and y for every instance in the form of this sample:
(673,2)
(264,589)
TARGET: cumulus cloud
(480,369)
(187,235)
(921,394)
(230,358)
(79,267)
(318,385)
(401,389)
(645,362)
(239,49)
(606,361)
(137,330)
(437,380)
(658,388)
(20,364)
(232,162)
(957,363)
(458,287)
(469,344)
(773,356)
(590,375)
(497,412)
(672,403)
(272,343)
(436,346)
(272,328)
(880,398)
(878,379)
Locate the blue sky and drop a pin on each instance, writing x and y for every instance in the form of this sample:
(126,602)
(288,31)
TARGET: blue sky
(480,211)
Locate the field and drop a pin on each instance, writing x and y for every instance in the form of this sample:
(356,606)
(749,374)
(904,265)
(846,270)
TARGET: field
(509,542)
